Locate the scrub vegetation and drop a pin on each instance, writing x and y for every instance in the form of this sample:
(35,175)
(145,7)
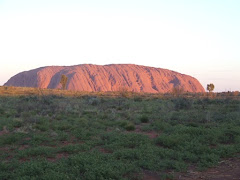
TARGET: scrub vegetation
(113,135)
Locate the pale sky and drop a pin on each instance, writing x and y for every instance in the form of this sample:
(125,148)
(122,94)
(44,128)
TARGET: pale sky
(200,38)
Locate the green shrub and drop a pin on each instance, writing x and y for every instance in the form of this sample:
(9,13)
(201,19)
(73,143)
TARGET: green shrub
(94,101)
(169,141)
(130,127)
(2,111)
(228,136)
(37,151)
(144,119)
(17,123)
(12,138)
(182,103)
(208,160)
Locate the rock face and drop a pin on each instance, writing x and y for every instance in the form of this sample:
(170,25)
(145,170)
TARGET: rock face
(115,77)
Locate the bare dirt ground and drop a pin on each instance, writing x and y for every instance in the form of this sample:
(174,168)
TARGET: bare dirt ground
(228,169)
(150,134)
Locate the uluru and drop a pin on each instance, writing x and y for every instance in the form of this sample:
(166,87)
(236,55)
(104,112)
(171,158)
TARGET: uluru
(113,77)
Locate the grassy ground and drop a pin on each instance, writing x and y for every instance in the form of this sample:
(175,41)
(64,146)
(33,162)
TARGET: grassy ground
(97,136)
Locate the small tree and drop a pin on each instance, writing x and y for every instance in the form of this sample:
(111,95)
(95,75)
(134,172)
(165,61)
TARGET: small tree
(210,87)
(177,90)
(63,81)
(123,91)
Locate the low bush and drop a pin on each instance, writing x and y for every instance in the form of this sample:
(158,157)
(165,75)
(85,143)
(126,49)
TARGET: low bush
(182,103)
(130,127)
(144,119)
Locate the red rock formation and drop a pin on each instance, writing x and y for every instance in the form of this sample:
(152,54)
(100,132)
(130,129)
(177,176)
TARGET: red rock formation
(113,77)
